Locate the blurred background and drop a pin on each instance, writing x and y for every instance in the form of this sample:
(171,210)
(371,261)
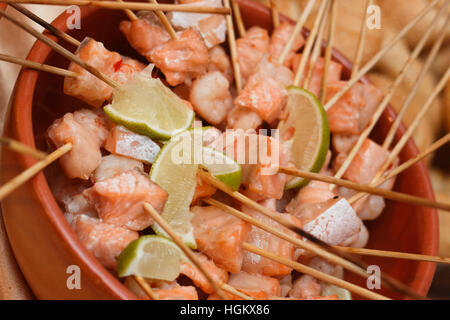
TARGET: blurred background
(394,15)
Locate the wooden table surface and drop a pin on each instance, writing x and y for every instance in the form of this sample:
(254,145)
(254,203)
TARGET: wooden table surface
(17,43)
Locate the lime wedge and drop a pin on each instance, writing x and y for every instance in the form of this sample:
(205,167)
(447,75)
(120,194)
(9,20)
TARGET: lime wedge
(178,178)
(152,257)
(343,294)
(306,131)
(175,170)
(146,106)
(222,167)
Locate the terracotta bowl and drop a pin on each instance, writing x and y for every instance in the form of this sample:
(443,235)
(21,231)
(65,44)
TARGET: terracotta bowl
(44,243)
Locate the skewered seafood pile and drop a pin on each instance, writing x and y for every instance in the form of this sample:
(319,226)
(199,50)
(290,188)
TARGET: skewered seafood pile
(133,122)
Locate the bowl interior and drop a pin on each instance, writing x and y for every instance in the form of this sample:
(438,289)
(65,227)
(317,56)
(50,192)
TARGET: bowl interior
(400,228)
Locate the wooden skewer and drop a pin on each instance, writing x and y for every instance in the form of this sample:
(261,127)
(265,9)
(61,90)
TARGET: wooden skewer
(383,104)
(409,132)
(23,177)
(388,194)
(234,291)
(146,287)
(361,40)
(165,22)
(137,6)
(38,66)
(328,50)
(129,13)
(395,254)
(61,50)
(439,143)
(173,235)
(380,54)
(238,17)
(233,50)
(46,25)
(315,273)
(431,56)
(22,148)
(309,43)
(275,14)
(297,29)
(316,51)
(315,245)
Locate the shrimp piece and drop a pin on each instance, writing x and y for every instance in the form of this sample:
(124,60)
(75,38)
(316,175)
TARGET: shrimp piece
(86,86)
(105,241)
(343,143)
(118,200)
(64,189)
(315,84)
(191,271)
(285,284)
(280,38)
(253,284)
(127,69)
(78,206)
(372,97)
(243,118)
(305,287)
(210,135)
(254,263)
(338,225)
(85,155)
(182,58)
(324,266)
(219,236)
(202,190)
(95,121)
(177,293)
(344,115)
(124,142)
(363,238)
(251,48)
(145,33)
(211,97)
(219,61)
(112,165)
(366,163)
(265,91)
(212,27)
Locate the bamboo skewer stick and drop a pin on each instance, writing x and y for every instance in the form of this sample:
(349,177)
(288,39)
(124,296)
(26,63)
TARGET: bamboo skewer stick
(314,245)
(309,44)
(383,104)
(234,291)
(166,23)
(38,66)
(380,54)
(146,287)
(436,145)
(26,175)
(409,132)
(315,273)
(22,148)
(395,254)
(328,50)
(247,218)
(361,40)
(46,25)
(61,50)
(431,56)
(233,50)
(238,17)
(316,51)
(275,14)
(297,29)
(388,194)
(172,234)
(129,13)
(127,5)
